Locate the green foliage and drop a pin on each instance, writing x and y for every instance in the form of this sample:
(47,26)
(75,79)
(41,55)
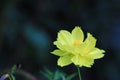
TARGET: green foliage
(57,75)
(7,75)
(13,69)
(10,76)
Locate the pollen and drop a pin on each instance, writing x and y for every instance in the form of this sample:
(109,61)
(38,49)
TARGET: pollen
(77,43)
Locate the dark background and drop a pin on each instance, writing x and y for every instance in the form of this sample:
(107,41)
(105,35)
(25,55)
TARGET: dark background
(28,28)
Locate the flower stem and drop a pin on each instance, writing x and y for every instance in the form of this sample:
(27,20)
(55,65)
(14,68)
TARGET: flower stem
(80,78)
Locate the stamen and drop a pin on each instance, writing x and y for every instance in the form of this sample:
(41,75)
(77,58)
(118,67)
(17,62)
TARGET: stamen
(77,42)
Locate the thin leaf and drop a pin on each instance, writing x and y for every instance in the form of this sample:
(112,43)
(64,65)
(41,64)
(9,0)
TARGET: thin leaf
(11,77)
(71,76)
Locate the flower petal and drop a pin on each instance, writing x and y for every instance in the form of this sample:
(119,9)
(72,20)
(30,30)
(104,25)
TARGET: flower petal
(96,53)
(88,44)
(58,52)
(59,45)
(64,47)
(64,60)
(75,59)
(81,49)
(87,62)
(90,41)
(64,37)
(77,34)
(82,61)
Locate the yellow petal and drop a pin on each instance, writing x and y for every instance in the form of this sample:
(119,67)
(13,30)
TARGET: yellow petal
(58,52)
(64,60)
(64,37)
(87,62)
(82,61)
(90,40)
(59,45)
(77,34)
(63,47)
(81,49)
(89,43)
(75,59)
(96,53)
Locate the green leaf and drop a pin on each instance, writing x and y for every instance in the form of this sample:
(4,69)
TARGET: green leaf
(11,77)
(56,75)
(71,76)
(14,68)
(48,74)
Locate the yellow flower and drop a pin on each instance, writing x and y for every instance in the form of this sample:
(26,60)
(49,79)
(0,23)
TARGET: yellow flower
(72,48)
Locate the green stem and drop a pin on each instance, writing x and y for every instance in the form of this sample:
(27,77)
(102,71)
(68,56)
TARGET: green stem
(80,78)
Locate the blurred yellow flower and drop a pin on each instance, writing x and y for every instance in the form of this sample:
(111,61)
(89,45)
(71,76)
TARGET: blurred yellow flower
(72,48)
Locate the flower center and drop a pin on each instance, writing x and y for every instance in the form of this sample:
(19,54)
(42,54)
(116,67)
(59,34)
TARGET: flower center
(77,42)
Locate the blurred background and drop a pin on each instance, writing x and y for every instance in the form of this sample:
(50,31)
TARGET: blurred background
(29,27)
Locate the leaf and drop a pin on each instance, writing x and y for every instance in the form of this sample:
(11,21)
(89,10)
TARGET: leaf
(71,76)
(11,77)
(48,74)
